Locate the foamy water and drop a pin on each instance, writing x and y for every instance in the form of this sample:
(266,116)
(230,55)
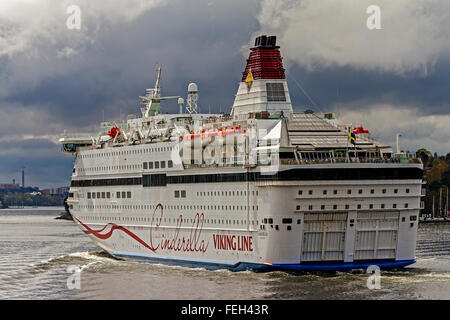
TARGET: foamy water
(36,251)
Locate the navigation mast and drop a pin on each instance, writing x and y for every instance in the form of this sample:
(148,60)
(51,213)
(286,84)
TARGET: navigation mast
(153,98)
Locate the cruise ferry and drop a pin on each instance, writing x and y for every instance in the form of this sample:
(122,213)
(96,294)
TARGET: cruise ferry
(260,188)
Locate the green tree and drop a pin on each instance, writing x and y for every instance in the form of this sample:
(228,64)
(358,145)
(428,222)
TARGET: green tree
(445,180)
(424,155)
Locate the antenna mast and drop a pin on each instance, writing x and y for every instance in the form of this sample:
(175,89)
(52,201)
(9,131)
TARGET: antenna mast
(192,100)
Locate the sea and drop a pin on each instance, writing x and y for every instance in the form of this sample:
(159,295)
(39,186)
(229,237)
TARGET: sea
(42,258)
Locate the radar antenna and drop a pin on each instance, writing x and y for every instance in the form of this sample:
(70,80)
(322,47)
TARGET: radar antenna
(192,99)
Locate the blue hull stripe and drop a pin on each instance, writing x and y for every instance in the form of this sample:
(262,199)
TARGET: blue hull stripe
(345,266)
(245,265)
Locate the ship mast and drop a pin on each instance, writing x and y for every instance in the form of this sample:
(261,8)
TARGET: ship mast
(153,98)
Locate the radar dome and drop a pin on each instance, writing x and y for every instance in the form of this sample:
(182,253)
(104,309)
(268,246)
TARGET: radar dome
(192,87)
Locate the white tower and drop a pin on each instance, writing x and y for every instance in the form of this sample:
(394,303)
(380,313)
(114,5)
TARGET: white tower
(181,104)
(192,98)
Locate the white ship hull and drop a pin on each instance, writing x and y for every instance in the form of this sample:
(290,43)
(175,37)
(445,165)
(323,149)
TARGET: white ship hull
(258,224)
(261,188)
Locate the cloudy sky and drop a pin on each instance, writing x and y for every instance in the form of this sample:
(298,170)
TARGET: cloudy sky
(393,79)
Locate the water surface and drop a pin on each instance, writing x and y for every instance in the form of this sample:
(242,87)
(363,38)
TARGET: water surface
(36,250)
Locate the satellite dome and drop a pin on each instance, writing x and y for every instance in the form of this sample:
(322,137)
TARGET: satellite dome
(180,101)
(192,87)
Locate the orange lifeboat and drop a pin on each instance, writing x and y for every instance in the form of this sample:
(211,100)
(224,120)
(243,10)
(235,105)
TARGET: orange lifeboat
(359,130)
(114,132)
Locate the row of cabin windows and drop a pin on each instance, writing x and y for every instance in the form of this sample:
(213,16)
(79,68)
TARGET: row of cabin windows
(125,152)
(99,195)
(107,195)
(359,206)
(109,168)
(349,191)
(210,207)
(170,207)
(287,221)
(224,193)
(169,220)
(157,165)
(145,166)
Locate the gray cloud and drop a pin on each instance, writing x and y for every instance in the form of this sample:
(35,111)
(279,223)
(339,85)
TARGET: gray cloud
(327,33)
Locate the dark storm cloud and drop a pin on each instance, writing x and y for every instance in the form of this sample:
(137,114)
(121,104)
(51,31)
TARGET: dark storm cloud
(194,43)
(45,164)
(331,86)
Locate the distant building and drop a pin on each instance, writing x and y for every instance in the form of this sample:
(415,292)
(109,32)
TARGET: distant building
(8,187)
(56,191)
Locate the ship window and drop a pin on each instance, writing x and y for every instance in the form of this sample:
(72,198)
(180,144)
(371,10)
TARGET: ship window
(407,190)
(349,191)
(156,165)
(154,180)
(150,165)
(395,190)
(334,191)
(145,165)
(103,195)
(335,206)
(298,208)
(310,207)
(88,195)
(287,220)
(347,206)
(324,191)
(163,164)
(384,190)
(170,164)
(370,206)
(183,193)
(360,191)
(275,92)
(394,205)
(310,192)
(124,194)
(129,194)
(98,195)
(406,205)
(359,206)
(382,206)
(372,191)
(322,207)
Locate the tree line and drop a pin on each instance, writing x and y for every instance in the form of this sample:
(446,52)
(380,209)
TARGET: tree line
(437,177)
(18,199)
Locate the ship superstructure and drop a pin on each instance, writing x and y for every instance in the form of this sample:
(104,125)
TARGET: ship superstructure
(262,187)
